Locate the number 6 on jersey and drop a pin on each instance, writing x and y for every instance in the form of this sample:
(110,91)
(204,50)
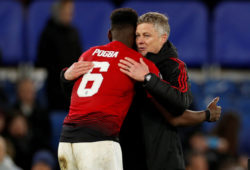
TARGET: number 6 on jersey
(97,79)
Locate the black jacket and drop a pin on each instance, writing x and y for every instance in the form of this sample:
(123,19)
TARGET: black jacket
(147,139)
(175,95)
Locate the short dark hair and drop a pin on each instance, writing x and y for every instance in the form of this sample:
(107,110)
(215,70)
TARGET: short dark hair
(123,17)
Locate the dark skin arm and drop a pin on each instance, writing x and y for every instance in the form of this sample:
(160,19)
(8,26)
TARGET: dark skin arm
(190,117)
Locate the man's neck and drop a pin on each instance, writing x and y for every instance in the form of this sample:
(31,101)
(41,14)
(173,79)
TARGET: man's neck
(127,43)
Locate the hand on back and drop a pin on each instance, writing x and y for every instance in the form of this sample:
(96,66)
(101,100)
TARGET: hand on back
(77,69)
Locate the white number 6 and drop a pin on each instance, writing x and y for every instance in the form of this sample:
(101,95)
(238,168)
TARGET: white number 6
(97,79)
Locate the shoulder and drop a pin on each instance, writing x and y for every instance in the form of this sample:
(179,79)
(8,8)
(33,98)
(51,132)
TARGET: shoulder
(47,32)
(73,29)
(177,61)
(129,52)
(148,62)
(87,53)
(172,66)
(137,54)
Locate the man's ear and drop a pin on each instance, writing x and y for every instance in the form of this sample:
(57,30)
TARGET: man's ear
(110,35)
(164,37)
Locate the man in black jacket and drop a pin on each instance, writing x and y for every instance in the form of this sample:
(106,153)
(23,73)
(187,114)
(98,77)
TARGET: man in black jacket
(146,121)
(59,46)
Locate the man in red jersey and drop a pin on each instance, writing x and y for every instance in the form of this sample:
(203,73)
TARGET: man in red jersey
(100,99)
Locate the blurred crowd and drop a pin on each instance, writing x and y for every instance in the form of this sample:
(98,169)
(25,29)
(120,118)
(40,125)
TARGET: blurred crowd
(25,125)
(24,130)
(216,149)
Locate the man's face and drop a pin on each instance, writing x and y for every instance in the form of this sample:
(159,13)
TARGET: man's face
(148,39)
(41,166)
(66,13)
(26,91)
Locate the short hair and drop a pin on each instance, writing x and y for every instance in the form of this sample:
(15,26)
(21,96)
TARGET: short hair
(123,17)
(160,21)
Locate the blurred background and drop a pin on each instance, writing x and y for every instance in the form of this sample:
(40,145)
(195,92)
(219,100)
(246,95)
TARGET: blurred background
(40,37)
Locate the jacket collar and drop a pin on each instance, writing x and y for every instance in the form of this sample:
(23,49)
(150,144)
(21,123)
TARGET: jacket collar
(168,50)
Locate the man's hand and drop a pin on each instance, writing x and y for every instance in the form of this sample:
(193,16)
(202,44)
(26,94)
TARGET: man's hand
(215,111)
(77,69)
(133,69)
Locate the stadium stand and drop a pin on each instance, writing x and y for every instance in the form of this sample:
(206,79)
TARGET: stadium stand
(189,26)
(92,21)
(38,15)
(11,32)
(93,30)
(225,88)
(231,36)
(245,89)
(244,137)
(56,120)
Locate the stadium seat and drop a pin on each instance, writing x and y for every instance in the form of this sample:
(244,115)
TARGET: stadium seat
(9,89)
(6,0)
(189,25)
(41,94)
(196,88)
(225,88)
(231,34)
(11,32)
(245,88)
(91,19)
(56,120)
(38,16)
(43,0)
(243,105)
(227,91)
(244,137)
(198,95)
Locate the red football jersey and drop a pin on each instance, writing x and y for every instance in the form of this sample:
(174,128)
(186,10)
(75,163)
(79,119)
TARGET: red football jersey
(101,98)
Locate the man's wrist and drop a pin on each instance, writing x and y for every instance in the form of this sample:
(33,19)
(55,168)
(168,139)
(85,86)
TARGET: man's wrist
(66,76)
(208,114)
(147,78)
(63,76)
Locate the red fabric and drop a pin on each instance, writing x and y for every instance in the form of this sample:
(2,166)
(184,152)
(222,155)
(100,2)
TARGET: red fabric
(106,109)
(182,79)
